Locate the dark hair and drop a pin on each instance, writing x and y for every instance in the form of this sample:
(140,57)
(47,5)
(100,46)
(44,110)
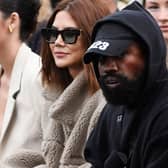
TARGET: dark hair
(85,13)
(27,11)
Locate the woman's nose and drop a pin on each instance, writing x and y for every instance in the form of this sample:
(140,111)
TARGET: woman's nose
(163,14)
(59,40)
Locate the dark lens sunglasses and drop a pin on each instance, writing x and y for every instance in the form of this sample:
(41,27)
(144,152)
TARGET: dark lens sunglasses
(69,35)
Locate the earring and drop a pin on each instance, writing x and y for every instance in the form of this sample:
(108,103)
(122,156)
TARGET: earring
(10,29)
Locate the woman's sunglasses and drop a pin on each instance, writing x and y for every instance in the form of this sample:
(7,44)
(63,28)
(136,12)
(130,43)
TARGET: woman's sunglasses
(69,35)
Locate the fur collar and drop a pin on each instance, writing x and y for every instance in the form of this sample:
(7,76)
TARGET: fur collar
(70,100)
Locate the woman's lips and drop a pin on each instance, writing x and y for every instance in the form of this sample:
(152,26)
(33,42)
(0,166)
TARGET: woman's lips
(60,54)
(164,28)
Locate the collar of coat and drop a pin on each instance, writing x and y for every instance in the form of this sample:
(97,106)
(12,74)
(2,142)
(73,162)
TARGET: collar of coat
(71,99)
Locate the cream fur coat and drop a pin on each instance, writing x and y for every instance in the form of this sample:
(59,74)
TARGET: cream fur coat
(72,117)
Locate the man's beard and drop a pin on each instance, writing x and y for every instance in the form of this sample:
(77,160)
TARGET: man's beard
(127,92)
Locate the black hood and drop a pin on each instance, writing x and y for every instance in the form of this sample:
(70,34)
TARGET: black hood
(139,21)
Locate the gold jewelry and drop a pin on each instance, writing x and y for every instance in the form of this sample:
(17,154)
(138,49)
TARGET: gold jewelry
(10,29)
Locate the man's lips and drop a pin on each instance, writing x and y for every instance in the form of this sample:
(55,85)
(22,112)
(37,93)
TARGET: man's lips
(111,82)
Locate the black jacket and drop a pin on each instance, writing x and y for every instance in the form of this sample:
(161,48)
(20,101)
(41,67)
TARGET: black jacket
(136,138)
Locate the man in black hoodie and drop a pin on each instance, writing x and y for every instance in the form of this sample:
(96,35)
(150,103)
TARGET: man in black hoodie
(129,58)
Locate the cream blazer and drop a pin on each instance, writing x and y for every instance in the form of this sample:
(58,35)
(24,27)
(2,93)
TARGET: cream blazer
(21,122)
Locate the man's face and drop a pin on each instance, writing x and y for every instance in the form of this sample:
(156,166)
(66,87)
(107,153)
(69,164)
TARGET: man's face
(121,78)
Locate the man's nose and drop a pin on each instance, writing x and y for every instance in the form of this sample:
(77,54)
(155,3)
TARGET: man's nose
(110,64)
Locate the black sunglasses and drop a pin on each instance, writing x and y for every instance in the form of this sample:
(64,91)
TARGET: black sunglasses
(69,35)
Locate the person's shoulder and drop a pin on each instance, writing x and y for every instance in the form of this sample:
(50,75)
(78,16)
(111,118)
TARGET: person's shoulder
(108,111)
(32,67)
(34,60)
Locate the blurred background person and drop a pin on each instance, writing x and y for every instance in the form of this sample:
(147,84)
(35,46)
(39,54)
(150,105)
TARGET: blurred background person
(45,11)
(19,66)
(34,41)
(159,10)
